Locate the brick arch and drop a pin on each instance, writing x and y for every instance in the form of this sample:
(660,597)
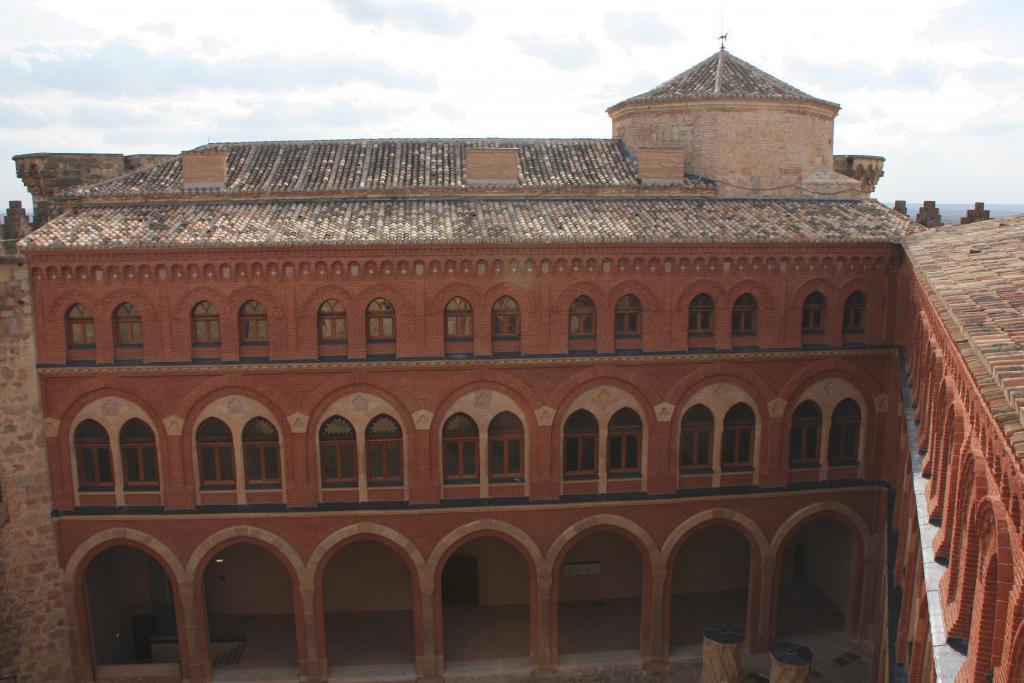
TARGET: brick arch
(636,534)
(268,540)
(522,541)
(872,292)
(359,384)
(527,301)
(1015,663)
(702,286)
(403,305)
(75,594)
(526,404)
(648,299)
(970,487)
(448,292)
(136,297)
(743,378)
(633,399)
(764,296)
(270,409)
(63,301)
(581,381)
(237,297)
(573,290)
(71,404)
(817,284)
(184,303)
(310,304)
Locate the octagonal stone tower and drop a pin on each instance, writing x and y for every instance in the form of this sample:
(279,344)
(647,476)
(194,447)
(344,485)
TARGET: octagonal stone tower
(752,133)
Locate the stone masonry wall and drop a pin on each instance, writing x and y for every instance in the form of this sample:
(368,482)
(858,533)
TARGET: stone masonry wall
(34,645)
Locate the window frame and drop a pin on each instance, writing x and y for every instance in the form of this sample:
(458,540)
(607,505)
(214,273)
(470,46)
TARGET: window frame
(127,319)
(733,434)
(217,450)
(628,317)
(812,315)
(802,426)
(265,449)
(582,315)
(94,449)
(211,322)
(458,320)
(250,331)
(460,443)
(693,435)
(744,315)
(844,430)
(80,324)
(505,439)
(140,451)
(329,446)
(375,313)
(619,439)
(703,314)
(335,319)
(384,446)
(855,309)
(580,438)
(506,323)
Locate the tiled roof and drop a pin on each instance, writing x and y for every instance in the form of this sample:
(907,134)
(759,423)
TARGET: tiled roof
(976,272)
(461,221)
(722,75)
(321,166)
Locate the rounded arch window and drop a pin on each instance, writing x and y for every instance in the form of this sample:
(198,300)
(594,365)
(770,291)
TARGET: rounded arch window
(701,319)
(582,317)
(805,434)
(505,318)
(138,455)
(92,455)
(331,323)
(738,429)
(695,438)
(215,444)
(628,312)
(127,325)
(384,451)
(844,432)
(744,315)
(460,441)
(625,439)
(380,321)
(338,452)
(261,454)
(80,330)
(252,323)
(458,319)
(853,313)
(205,324)
(579,444)
(505,447)
(812,320)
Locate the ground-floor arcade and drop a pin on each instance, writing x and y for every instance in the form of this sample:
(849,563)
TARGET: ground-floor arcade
(515,588)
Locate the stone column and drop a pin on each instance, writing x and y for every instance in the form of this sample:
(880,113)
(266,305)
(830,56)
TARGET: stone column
(790,663)
(721,654)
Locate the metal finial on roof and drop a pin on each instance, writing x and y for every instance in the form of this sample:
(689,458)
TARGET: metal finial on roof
(724,37)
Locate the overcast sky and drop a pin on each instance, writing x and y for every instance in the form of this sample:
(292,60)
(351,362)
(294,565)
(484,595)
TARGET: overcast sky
(935,86)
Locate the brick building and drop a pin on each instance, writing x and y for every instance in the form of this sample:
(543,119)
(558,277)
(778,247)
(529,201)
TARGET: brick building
(387,409)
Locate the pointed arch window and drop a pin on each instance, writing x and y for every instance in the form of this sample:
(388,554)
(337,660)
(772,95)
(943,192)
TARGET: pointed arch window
(505,318)
(92,455)
(338,452)
(695,438)
(127,326)
(744,315)
(205,324)
(252,323)
(853,313)
(505,447)
(216,455)
(738,429)
(138,455)
(460,447)
(625,441)
(628,316)
(701,321)
(380,321)
(844,433)
(80,330)
(331,323)
(261,454)
(805,434)
(813,318)
(579,445)
(458,320)
(582,317)
(384,451)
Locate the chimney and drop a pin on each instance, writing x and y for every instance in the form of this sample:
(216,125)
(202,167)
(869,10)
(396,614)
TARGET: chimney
(492,166)
(205,169)
(660,165)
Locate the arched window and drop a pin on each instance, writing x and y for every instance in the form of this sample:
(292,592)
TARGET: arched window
(331,324)
(380,321)
(505,318)
(216,454)
(702,316)
(458,319)
(744,315)
(260,454)
(844,433)
(738,436)
(92,453)
(460,440)
(337,452)
(80,330)
(582,317)
(804,434)
(628,312)
(127,326)
(205,325)
(138,455)
(625,436)
(853,314)
(252,323)
(384,451)
(579,444)
(813,319)
(695,438)
(505,447)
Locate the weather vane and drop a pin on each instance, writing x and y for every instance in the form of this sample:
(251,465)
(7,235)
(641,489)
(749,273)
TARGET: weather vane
(721,27)
(723,38)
